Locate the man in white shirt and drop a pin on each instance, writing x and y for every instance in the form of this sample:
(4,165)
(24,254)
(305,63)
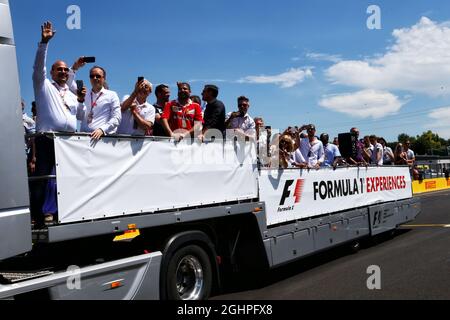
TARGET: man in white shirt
(55,103)
(377,151)
(56,111)
(138,116)
(410,156)
(99,110)
(310,152)
(240,121)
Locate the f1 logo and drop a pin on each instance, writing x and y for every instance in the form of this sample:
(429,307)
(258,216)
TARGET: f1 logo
(376,218)
(287,192)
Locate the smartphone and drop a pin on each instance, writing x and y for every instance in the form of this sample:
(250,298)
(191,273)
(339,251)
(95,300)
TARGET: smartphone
(80,85)
(140,79)
(89,59)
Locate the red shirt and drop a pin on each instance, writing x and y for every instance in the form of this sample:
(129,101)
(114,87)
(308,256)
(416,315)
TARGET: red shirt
(180,117)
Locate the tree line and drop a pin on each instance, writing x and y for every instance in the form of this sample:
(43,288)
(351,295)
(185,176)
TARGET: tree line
(428,143)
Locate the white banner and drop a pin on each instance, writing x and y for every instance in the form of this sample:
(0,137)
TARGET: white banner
(297,194)
(130,176)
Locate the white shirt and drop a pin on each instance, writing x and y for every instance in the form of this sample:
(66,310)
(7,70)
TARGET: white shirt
(29,124)
(245,123)
(100,111)
(310,153)
(56,106)
(386,158)
(127,124)
(410,154)
(377,149)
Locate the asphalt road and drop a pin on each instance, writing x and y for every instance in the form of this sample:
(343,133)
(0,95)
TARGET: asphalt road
(414,264)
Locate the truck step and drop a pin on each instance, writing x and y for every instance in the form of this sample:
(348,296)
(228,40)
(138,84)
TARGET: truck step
(15,277)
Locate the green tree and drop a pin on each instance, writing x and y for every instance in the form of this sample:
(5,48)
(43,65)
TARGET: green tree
(426,143)
(429,143)
(403,137)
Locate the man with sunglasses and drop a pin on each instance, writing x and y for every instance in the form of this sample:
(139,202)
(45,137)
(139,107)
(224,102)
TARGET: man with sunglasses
(138,116)
(99,110)
(410,156)
(56,104)
(241,121)
(56,112)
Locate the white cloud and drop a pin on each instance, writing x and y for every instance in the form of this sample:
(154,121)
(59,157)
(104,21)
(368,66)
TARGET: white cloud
(287,79)
(363,104)
(324,57)
(418,62)
(441,122)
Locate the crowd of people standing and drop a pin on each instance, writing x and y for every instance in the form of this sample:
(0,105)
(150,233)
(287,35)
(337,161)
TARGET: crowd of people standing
(63,103)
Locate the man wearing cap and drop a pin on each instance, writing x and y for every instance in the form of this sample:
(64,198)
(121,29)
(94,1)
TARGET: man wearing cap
(214,117)
(311,150)
(138,116)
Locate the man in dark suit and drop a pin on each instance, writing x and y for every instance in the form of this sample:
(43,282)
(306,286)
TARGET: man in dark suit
(214,117)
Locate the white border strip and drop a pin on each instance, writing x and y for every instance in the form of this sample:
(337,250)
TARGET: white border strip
(14,212)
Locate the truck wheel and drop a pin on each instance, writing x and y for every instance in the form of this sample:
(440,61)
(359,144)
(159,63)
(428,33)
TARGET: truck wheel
(189,274)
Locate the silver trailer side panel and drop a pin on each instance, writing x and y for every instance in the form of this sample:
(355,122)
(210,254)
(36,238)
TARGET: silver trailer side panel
(6,32)
(302,238)
(14,222)
(135,278)
(11,242)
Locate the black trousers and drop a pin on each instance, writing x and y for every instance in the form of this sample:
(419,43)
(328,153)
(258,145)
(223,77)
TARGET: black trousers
(45,161)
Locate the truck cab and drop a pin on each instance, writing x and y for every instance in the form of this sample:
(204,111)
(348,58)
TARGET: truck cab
(15,226)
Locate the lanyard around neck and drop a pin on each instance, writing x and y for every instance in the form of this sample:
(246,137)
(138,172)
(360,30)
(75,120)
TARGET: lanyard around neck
(94,103)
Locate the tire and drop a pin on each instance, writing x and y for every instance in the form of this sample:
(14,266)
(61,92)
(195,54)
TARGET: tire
(189,274)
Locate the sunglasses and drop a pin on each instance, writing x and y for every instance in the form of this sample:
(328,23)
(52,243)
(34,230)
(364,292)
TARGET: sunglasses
(62,69)
(95,76)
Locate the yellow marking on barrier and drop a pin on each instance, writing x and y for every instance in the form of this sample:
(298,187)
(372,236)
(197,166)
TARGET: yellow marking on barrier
(430,185)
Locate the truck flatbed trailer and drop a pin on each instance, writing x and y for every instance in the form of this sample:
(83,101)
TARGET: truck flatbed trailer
(146,218)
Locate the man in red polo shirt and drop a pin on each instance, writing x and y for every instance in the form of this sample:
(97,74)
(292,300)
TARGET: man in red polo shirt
(182,117)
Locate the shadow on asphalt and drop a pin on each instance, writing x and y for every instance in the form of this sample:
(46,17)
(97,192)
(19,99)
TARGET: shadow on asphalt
(245,281)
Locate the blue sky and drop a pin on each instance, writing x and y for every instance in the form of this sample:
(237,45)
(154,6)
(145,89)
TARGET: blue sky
(298,61)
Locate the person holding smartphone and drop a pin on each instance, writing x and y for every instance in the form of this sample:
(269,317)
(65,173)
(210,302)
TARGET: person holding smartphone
(56,109)
(241,121)
(138,116)
(99,109)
